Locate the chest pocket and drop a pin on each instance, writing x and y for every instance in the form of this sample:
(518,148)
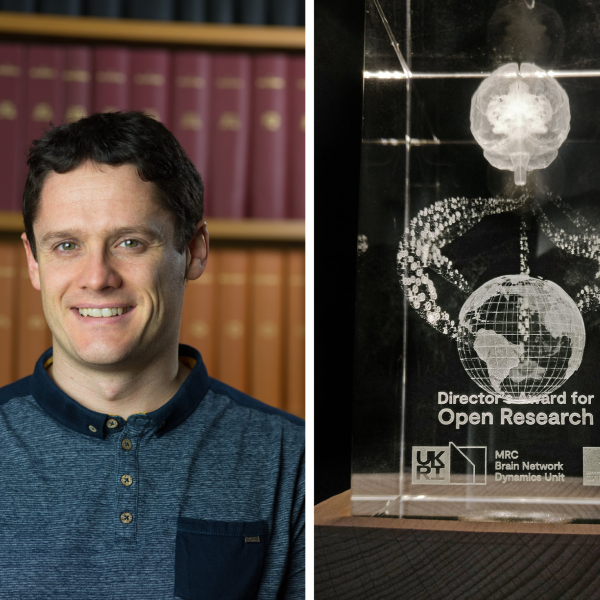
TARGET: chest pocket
(219,560)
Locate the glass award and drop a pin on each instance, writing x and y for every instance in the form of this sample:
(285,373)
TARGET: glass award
(478,263)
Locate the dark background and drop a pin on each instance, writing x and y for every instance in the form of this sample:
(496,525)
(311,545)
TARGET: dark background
(339,31)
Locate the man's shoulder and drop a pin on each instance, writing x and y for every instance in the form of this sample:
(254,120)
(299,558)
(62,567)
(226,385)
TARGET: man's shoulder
(259,408)
(17,389)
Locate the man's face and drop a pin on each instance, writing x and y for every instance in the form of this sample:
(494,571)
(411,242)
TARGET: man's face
(104,243)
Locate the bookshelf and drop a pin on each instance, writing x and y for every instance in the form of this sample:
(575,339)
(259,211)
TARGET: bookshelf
(152,32)
(246,230)
(273,246)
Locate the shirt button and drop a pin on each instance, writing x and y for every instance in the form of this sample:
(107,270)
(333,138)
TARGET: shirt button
(126,480)
(92,428)
(112,423)
(126,517)
(126,443)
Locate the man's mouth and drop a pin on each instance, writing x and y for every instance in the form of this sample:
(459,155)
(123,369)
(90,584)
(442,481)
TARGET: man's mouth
(104,312)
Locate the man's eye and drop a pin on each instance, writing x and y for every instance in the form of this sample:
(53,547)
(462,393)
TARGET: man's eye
(67,246)
(130,243)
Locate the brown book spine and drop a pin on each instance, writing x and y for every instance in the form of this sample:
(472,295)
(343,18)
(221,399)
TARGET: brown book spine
(232,295)
(266,347)
(8,306)
(198,320)
(295,334)
(33,334)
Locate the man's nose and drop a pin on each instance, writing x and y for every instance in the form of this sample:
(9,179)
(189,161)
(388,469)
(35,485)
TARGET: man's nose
(98,271)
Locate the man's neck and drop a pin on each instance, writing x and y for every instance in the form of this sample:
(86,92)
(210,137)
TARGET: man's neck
(121,392)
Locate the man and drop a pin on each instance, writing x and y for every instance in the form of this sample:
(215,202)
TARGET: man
(125,471)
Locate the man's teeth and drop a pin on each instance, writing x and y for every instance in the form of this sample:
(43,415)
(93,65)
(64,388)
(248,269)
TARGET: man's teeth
(103,312)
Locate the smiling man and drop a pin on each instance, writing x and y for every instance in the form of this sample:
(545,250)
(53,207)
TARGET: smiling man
(125,470)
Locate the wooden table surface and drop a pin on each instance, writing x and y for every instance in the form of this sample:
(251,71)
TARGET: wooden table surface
(417,559)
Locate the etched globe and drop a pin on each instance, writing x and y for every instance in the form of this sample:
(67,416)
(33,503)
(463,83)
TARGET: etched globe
(520,337)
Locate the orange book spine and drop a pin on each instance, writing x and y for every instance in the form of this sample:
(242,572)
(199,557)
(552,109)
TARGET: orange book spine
(198,320)
(295,336)
(232,297)
(32,330)
(266,348)
(8,306)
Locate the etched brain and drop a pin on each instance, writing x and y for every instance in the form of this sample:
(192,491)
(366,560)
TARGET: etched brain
(520,118)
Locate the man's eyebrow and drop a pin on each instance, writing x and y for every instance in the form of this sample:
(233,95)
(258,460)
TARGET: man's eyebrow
(149,232)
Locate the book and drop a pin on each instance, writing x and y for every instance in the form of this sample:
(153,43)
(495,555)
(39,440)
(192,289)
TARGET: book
(230,135)
(162,10)
(105,8)
(266,345)
(254,12)
(221,11)
(61,7)
(33,334)
(112,75)
(285,12)
(297,187)
(45,89)
(77,77)
(295,333)
(193,10)
(150,83)
(13,66)
(198,320)
(268,187)
(8,307)
(18,5)
(232,300)
(191,109)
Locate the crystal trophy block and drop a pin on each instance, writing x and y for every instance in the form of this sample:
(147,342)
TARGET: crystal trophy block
(478,263)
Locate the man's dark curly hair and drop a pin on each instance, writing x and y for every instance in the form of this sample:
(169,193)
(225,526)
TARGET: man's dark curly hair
(119,138)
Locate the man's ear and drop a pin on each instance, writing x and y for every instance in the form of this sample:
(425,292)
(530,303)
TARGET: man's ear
(32,264)
(197,252)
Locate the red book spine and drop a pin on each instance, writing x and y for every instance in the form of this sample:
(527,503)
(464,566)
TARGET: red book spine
(45,90)
(191,105)
(297,138)
(230,135)
(13,65)
(111,79)
(78,82)
(151,82)
(269,136)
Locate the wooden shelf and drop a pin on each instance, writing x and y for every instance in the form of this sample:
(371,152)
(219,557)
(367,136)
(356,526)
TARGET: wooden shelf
(153,32)
(253,230)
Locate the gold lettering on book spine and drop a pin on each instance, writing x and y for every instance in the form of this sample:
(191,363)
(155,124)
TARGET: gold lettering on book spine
(230,121)
(111,77)
(77,76)
(199,329)
(190,81)
(190,121)
(42,113)
(9,71)
(234,329)
(75,112)
(155,79)
(270,83)
(8,110)
(229,83)
(271,120)
(42,73)
(5,322)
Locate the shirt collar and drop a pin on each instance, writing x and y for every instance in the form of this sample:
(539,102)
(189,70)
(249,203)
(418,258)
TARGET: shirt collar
(71,414)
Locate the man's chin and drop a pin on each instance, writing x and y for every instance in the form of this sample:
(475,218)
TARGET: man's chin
(103,354)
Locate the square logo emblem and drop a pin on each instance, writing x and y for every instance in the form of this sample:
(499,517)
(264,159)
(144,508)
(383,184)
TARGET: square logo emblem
(449,465)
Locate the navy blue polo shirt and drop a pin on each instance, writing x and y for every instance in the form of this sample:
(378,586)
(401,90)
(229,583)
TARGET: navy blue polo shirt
(202,498)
